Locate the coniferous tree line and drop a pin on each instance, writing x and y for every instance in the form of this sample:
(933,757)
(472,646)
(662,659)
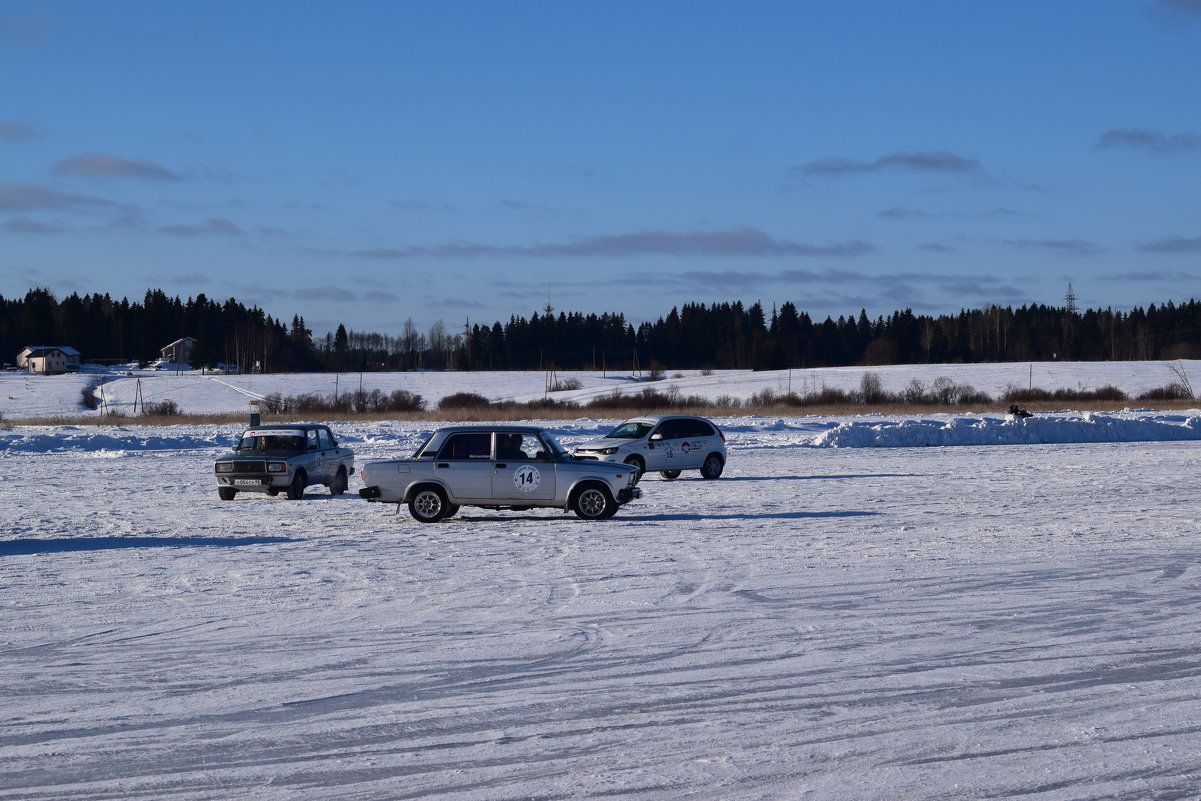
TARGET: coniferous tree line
(697,336)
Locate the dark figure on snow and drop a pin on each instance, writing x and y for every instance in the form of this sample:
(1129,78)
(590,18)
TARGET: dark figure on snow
(1016,412)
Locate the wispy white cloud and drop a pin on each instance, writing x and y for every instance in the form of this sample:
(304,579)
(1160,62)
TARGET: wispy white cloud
(18,29)
(934,161)
(1172,244)
(100,165)
(1153,141)
(26,198)
(13,131)
(905,213)
(740,241)
(1183,6)
(214,227)
(1074,247)
(1147,276)
(419,205)
(25,225)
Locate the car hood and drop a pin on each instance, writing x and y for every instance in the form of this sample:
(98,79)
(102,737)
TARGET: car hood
(605,442)
(256,456)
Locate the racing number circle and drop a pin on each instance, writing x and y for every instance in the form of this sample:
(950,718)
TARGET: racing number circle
(527,478)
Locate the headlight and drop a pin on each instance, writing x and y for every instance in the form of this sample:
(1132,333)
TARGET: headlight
(608,451)
(277,467)
(225,467)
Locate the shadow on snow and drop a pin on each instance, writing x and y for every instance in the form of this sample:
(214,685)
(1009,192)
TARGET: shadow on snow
(30,547)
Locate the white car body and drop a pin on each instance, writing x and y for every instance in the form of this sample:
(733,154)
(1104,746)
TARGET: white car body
(667,443)
(287,458)
(497,467)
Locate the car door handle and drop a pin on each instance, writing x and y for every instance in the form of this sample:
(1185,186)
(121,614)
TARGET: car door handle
(443,464)
(501,465)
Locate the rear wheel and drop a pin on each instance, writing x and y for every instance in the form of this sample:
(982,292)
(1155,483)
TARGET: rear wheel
(428,505)
(296,488)
(338,485)
(226,493)
(639,465)
(593,502)
(669,474)
(713,466)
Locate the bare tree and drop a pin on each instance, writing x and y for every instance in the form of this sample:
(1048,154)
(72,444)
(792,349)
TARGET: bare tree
(1182,377)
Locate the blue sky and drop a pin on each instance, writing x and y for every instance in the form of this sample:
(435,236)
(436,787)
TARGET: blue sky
(371,162)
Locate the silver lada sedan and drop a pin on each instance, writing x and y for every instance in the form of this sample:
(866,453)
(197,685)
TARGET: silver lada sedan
(498,467)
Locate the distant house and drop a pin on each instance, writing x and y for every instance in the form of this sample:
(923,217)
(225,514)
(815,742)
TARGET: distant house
(179,351)
(49,359)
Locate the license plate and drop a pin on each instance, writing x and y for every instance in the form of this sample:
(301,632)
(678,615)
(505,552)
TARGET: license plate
(247,482)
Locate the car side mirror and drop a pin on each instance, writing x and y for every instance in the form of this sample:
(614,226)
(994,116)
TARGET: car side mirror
(656,437)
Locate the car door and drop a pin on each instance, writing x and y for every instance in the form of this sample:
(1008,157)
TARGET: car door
(329,453)
(522,470)
(315,458)
(665,453)
(464,466)
(695,437)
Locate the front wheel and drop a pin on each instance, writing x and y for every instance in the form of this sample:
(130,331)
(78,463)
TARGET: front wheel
(296,488)
(226,493)
(669,474)
(593,503)
(428,505)
(639,465)
(713,466)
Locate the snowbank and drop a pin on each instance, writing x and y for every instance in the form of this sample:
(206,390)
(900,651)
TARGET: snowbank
(390,438)
(1057,428)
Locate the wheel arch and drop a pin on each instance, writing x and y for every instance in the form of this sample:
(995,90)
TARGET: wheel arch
(588,481)
(416,486)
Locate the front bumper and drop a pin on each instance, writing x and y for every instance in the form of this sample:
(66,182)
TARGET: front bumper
(254,483)
(628,494)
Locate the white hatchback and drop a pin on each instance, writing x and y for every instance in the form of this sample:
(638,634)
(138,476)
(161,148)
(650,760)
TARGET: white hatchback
(668,443)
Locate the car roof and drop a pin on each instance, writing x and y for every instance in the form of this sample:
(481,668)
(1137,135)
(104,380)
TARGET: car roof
(287,427)
(507,427)
(659,418)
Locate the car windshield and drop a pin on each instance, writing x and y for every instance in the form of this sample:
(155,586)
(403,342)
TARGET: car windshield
(271,442)
(422,452)
(633,429)
(557,451)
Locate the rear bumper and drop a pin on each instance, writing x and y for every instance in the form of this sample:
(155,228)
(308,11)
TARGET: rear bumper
(369,493)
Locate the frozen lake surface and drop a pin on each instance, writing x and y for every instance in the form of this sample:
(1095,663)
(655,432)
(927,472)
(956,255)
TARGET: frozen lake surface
(826,621)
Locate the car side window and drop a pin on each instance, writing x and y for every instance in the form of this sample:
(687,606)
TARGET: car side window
(473,445)
(670,429)
(519,446)
(327,439)
(696,428)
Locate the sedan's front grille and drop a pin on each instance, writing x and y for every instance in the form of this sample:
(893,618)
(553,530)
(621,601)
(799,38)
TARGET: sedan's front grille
(250,467)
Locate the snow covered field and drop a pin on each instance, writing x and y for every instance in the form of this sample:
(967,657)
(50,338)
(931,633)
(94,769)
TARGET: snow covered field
(843,615)
(24,396)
